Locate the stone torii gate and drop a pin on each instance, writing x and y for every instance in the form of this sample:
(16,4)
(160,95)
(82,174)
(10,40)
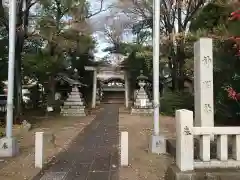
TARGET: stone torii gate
(104,73)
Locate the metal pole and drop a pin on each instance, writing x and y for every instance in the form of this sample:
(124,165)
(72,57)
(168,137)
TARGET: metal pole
(11,62)
(156,46)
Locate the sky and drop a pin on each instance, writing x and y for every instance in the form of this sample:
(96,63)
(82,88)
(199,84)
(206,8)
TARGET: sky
(98,22)
(98,35)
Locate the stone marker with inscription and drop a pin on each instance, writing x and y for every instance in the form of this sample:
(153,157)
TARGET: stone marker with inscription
(157,144)
(8,147)
(203,82)
(203,90)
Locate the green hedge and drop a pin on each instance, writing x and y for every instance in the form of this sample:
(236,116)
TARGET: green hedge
(171,101)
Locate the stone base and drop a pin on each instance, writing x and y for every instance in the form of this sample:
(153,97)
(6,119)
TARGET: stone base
(173,173)
(157,144)
(8,147)
(142,111)
(73,114)
(72,108)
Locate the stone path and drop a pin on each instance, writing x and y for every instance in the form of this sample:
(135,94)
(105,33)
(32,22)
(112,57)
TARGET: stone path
(93,155)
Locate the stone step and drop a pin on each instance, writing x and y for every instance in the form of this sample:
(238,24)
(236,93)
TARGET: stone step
(142,96)
(67,103)
(75,92)
(140,100)
(142,93)
(73,107)
(72,110)
(113,101)
(138,103)
(143,111)
(74,96)
(74,100)
(73,114)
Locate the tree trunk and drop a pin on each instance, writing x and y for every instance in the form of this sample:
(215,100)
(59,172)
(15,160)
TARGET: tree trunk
(180,49)
(51,92)
(17,91)
(18,74)
(21,30)
(172,64)
(181,62)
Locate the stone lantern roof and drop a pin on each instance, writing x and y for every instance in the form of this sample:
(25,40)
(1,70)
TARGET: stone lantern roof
(141,76)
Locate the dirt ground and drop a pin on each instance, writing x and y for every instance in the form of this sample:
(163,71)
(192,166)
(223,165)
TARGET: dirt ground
(143,164)
(64,129)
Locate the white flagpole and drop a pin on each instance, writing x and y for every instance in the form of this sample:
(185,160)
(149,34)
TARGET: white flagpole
(11,65)
(158,142)
(156,53)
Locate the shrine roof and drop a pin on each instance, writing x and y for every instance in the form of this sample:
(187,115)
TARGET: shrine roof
(66,78)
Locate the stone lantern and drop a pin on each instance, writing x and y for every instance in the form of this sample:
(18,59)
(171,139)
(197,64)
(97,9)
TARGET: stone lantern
(142,103)
(74,105)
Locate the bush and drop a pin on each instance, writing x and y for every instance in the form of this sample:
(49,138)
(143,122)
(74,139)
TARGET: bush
(171,101)
(227,110)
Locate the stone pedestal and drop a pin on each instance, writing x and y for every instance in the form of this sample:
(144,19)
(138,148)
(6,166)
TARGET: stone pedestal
(142,103)
(8,147)
(74,105)
(158,144)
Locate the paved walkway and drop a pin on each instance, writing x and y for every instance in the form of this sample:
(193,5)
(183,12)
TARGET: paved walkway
(93,155)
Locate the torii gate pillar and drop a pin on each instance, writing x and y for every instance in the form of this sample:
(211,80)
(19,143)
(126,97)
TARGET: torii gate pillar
(94,92)
(94,89)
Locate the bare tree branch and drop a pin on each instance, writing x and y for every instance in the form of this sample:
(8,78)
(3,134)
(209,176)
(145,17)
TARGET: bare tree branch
(99,11)
(30,4)
(192,12)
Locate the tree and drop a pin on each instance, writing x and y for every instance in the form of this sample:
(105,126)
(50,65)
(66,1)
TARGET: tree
(46,11)
(65,33)
(175,20)
(217,21)
(210,17)
(22,22)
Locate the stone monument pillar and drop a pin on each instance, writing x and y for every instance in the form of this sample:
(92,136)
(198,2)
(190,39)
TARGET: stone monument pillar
(203,90)
(203,83)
